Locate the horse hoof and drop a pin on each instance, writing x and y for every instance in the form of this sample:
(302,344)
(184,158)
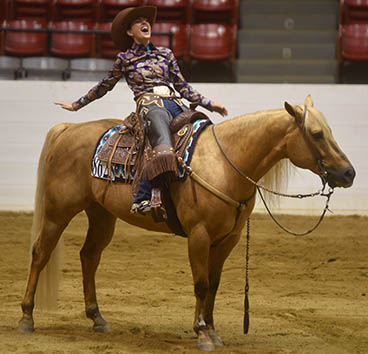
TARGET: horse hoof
(216,340)
(25,326)
(205,343)
(206,347)
(101,328)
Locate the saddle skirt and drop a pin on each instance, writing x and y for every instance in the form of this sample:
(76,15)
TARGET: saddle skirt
(115,156)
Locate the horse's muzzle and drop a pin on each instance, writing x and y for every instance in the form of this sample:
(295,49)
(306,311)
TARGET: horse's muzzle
(343,177)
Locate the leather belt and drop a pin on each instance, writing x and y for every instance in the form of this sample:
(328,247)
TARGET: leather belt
(163,91)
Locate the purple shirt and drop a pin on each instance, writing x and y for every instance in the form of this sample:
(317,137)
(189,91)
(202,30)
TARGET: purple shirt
(143,68)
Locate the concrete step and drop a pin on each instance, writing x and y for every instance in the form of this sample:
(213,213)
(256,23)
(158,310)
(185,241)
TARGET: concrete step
(296,79)
(287,50)
(281,36)
(288,6)
(282,67)
(289,21)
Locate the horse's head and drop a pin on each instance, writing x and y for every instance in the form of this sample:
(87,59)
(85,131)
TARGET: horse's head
(313,147)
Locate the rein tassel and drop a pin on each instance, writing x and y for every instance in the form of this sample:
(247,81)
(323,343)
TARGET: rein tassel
(246,311)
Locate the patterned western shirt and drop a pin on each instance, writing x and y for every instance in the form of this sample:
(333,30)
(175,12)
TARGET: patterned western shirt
(143,68)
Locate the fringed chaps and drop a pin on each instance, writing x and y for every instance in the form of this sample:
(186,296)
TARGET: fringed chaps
(160,165)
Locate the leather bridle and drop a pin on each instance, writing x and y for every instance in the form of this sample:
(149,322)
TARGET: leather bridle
(322,173)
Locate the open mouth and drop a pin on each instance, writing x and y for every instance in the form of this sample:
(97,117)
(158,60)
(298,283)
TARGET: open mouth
(145,29)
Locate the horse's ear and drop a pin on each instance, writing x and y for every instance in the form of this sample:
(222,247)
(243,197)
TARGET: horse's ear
(295,112)
(289,108)
(308,101)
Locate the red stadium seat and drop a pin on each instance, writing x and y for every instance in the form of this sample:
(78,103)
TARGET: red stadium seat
(213,42)
(25,44)
(84,10)
(179,39)
(354,11)
(209,41)
(171,10)
(3,10)
(109,8)
(105,46)
(355,42)
(352,49)
(214,11)
(72,45)
(39,9)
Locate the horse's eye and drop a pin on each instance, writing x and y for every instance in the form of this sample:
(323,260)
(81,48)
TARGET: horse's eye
(317,135)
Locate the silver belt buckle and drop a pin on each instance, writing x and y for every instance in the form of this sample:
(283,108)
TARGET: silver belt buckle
(163,91)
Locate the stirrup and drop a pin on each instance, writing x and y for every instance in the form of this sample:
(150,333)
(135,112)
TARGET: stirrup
(157,208)
(142,207)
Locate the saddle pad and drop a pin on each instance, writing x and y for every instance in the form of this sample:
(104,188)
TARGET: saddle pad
(119,174)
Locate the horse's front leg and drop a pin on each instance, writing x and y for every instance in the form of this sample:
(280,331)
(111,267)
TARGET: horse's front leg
(100,232)
(217,256)
(198,247)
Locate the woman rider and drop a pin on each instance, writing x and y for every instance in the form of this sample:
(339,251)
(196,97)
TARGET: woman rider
(150,72)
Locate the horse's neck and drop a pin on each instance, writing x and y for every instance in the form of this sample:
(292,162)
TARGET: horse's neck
(255,142)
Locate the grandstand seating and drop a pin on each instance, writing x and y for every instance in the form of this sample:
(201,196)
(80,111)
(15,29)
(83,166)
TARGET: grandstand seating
(173,16)
(354,11)
(214,11)
(179,38)
(3,10)
(105,47)
(25,44)
(352,43)
(171,10)
(40,9)
(212,42)
(109,8)
(72,45)
(84,10)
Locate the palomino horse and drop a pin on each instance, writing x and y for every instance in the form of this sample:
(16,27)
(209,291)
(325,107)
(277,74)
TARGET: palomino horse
(254,142)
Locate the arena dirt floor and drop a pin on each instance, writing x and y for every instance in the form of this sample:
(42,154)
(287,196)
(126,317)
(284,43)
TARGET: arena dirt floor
(308,295)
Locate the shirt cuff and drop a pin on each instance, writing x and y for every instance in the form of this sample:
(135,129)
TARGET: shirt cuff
(206,103)
(80,103)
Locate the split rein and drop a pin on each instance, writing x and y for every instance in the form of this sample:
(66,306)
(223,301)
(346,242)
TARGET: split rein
(321,192)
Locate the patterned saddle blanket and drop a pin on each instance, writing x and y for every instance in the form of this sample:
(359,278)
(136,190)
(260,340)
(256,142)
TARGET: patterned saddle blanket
(123,160)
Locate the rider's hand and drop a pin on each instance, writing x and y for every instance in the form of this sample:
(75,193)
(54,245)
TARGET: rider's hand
(219,108)
(65,105)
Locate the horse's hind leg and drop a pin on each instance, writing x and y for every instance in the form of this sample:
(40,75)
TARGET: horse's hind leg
(49,235)
(100,232)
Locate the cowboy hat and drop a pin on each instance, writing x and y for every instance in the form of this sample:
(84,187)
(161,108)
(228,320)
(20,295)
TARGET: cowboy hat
(123,21)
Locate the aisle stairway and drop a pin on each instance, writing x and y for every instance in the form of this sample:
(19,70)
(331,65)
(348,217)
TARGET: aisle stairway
(287,41)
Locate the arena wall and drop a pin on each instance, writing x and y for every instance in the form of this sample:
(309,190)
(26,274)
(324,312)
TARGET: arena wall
(27,112)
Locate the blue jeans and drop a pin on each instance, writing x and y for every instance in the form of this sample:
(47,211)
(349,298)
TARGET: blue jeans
(145,186)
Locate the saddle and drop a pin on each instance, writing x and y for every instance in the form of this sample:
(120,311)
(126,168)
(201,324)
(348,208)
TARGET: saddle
(123,148)
(128,147)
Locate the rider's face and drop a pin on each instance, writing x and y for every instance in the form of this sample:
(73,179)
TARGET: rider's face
(140,30)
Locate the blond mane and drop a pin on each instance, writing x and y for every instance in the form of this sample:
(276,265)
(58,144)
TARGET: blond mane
(277,180)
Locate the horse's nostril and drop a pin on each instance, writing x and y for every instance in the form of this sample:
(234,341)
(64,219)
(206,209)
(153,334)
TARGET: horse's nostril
(350,173)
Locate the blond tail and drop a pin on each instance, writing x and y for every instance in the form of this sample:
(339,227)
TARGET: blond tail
(48,283)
